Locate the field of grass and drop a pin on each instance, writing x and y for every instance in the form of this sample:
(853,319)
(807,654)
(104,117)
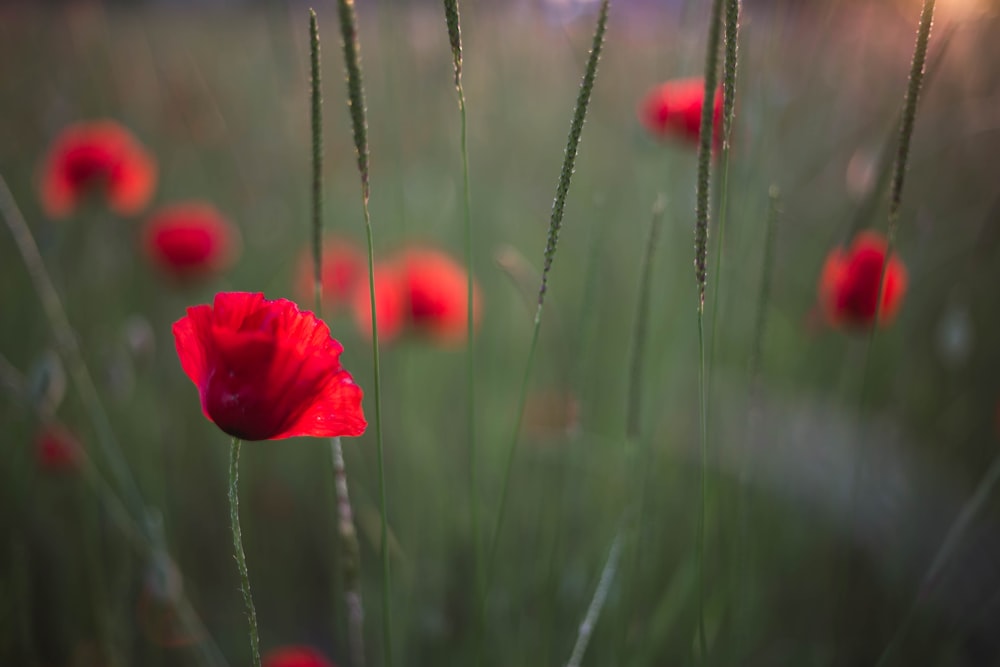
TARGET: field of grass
(849,501)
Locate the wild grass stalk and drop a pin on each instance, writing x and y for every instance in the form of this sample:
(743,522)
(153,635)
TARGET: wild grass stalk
(359,125)
(907,123)
(349,575)
(596,602)
(555,224)
(640,330)
(732,24)
(241,559)
(453,21)
(702,197)
(952,539)
(633,420)
(137,538)
(69,350)
(744,547)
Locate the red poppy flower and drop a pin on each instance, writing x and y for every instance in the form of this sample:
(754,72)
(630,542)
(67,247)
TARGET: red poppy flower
(390,303)
(189,240)
(849,284)
(673,110)
(295,656)
(99,157)
(57,449)
(343,266)
(437,293)
(266,370)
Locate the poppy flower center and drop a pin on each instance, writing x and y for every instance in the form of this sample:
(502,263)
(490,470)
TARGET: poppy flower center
(90,166)
(186,246)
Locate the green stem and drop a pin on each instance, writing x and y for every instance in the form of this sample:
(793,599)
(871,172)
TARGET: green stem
(701,276)
(555,223)
(241,559)
(316,117)
(69,350)
(453,21)
(951,541)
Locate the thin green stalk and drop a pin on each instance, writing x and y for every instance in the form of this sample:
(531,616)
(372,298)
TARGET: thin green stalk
(350,576)
(359,124)
(316,116)
(596,603)
(951,541)
(744,548)
(908,120)
(69,350)
(453,21)
(702,193)
(728,114)
(555,223)
(633,420)
(241,559)
(641,328)
(350,557)
(143,541)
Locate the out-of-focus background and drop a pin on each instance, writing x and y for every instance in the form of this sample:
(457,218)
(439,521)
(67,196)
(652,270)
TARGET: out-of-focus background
(854,476)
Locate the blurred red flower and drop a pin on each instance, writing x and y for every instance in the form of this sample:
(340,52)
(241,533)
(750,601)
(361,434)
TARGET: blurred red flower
(98,157)
(343,267)
(390,303)
(436,288)
(266,370)
(849,284)
(673,110)
(190,240)
(295,656)
(57,449)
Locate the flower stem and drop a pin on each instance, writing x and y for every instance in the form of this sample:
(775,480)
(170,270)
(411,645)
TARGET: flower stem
(241,559)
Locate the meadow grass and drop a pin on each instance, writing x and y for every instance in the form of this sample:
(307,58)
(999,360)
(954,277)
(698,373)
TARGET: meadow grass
(609,412)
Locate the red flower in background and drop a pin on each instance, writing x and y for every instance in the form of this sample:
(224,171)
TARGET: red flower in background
(849,284)
(436,288)
(190,240)
(295,656)
(266,370)
(100,158)
(57,449)
(390,303)
(673,110)
(342,268)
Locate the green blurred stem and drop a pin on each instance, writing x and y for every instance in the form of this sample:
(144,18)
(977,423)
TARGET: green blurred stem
(555,223)
(359,126)
(241,559)
(586,627)
(453,21)
(316,117)
(951,541)
(702,193)
(69,350)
